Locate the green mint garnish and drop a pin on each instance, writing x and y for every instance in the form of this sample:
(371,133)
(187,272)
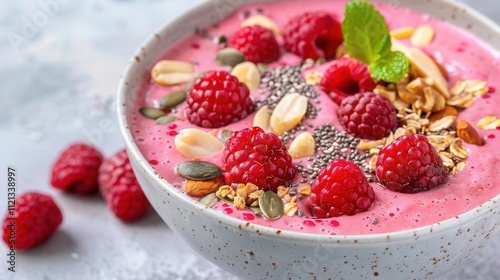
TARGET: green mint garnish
(367,38)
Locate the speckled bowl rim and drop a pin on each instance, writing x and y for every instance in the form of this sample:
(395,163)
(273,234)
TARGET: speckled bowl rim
(405,235)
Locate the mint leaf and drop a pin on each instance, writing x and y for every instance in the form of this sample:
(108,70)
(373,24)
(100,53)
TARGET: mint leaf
(367,38)
(364,30)
(391,68)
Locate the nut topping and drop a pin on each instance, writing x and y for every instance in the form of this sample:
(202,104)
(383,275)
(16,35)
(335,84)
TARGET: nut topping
(288,113)
(194,143)
(403,32)
(262,118)
(422,36)
(202,188)
(467,133)
(247,73)
(263,21)
(302,146)
(172,72)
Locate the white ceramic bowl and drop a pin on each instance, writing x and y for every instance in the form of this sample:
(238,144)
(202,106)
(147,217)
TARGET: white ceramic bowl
(257,252)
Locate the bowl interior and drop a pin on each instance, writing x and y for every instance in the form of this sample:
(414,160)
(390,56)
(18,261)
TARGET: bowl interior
(210,12)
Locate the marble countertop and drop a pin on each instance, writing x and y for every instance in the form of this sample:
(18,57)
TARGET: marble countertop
(60,63)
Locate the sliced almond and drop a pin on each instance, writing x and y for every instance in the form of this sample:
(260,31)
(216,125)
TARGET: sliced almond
(288,113)
(489,122)
(439,102)
(195,143)
(302,146)
(263,21)
(247,73)
(424,65)
(466,132)
(428,102)
(406,96)
(422,36)
(202,188)
(415,87)
(262,118)
(403,32)
(172,72)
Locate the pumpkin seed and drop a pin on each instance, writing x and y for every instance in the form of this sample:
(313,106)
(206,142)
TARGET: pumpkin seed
(271,205)
(199,170)
(165,120)
(209,200)
(230,57)
(151,113)
(173,99)
(225,134)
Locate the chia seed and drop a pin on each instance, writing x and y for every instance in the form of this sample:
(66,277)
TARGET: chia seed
(332,144)
(280,81)
(300,213)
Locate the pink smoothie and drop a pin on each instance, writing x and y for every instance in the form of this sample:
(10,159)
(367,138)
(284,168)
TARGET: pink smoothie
(463,55)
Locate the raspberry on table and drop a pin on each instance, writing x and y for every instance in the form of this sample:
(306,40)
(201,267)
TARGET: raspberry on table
(346,76)
(254,156)
(75,170)
(341,188)
(410,164)
(256,43)
(218,99)
(36,218)
(313,35)
(120,189)
(368,116)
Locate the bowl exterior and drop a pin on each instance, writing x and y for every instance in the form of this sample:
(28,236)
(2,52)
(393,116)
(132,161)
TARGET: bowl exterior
(255,252)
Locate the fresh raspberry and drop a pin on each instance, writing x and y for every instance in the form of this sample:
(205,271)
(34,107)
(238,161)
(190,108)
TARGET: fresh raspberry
(253,156)
(218,99)
(35,218)
(120,188)
(410,164)
(257,43)
(313,35)
(346,76)
(341,188)
(368,115)
(75,170)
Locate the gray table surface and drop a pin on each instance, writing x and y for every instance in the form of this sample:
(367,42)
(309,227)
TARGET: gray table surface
(60,62)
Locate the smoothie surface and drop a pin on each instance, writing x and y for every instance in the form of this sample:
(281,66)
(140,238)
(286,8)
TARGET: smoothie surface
(465,58)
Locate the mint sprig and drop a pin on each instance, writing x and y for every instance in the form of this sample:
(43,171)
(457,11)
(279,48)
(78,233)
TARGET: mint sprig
(367,38)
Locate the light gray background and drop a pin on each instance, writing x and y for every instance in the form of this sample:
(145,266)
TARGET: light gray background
(57,85)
